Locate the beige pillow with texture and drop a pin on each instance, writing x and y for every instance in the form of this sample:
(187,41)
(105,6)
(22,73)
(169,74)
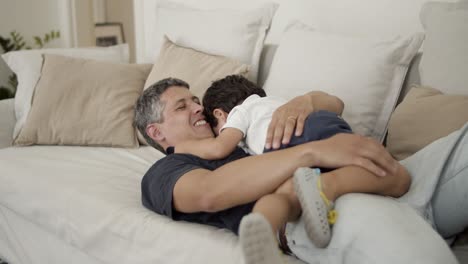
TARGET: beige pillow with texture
(425,115)
(84,102)
(198,69)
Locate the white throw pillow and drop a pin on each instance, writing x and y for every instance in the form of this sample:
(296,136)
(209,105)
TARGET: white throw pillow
(366,73)
(444,64)
(237,34)
(27,65)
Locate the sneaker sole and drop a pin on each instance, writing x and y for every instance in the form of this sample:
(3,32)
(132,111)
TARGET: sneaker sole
(314,209)
(258,243)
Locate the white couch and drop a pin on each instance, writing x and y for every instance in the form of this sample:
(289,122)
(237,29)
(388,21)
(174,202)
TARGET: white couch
(76,204)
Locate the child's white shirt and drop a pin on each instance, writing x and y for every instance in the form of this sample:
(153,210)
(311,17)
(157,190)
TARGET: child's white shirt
(252,118)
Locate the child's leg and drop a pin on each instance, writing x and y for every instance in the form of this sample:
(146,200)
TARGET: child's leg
(257,241)
(317,191)
(315,206)
(257,231)
(279,207)
(353,179)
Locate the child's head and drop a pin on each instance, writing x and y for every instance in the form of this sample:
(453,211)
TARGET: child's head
(224,94)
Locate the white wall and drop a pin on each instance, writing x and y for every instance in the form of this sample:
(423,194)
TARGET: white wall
(122,11)
(83,11)
(37,17)
(363,17)
(73,18)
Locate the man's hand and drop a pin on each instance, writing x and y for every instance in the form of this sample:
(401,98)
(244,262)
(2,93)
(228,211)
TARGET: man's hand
(350,149)
(287,117)
(290,117)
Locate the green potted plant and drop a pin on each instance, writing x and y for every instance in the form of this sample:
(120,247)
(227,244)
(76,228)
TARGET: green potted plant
(15,41)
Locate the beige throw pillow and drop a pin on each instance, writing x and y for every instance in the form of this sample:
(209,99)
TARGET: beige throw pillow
(425,115)
(84,102)
(198,69)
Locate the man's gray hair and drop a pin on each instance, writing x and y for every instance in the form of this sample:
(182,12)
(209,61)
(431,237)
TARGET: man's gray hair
(149,107)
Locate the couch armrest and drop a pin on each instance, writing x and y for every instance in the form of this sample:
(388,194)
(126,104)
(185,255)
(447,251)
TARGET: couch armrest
(7,122)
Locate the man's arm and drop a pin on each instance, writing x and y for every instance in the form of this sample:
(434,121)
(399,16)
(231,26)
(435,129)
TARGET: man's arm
(212,148)
(250,178)
(323,101)
(293,114)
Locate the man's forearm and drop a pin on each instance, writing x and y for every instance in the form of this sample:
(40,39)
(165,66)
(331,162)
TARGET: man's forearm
(253,177)
(323,101)
(212,148)
(250,178)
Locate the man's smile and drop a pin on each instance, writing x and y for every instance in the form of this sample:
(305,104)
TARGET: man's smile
(201,122)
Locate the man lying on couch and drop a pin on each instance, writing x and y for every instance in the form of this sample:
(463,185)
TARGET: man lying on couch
(220,193)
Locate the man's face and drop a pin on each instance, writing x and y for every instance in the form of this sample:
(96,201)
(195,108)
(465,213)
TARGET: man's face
(183,117)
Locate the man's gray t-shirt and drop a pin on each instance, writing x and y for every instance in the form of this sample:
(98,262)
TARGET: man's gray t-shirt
(158,184)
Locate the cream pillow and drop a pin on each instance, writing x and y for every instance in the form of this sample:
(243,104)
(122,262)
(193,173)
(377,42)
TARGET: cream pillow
(26,64)
(366,73)
(237,34)
(84,102)
(198,69)
(425,115)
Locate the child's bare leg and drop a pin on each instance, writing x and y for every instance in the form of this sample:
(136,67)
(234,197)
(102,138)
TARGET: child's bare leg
(317,191)
(353,179)
(279,207)
(258,230)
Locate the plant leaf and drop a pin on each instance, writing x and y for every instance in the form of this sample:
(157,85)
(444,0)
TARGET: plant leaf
(38,41)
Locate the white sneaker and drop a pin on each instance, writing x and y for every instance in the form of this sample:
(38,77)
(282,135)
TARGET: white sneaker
(258,243)
(315,206)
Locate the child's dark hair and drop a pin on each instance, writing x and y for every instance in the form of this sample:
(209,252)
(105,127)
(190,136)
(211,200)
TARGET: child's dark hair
(227,93)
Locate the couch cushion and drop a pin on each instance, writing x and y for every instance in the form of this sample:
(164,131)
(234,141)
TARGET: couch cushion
(89,198)
(197,68)
(425,115)
(234,33)
(367,73)
(84,102)
(27,64)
